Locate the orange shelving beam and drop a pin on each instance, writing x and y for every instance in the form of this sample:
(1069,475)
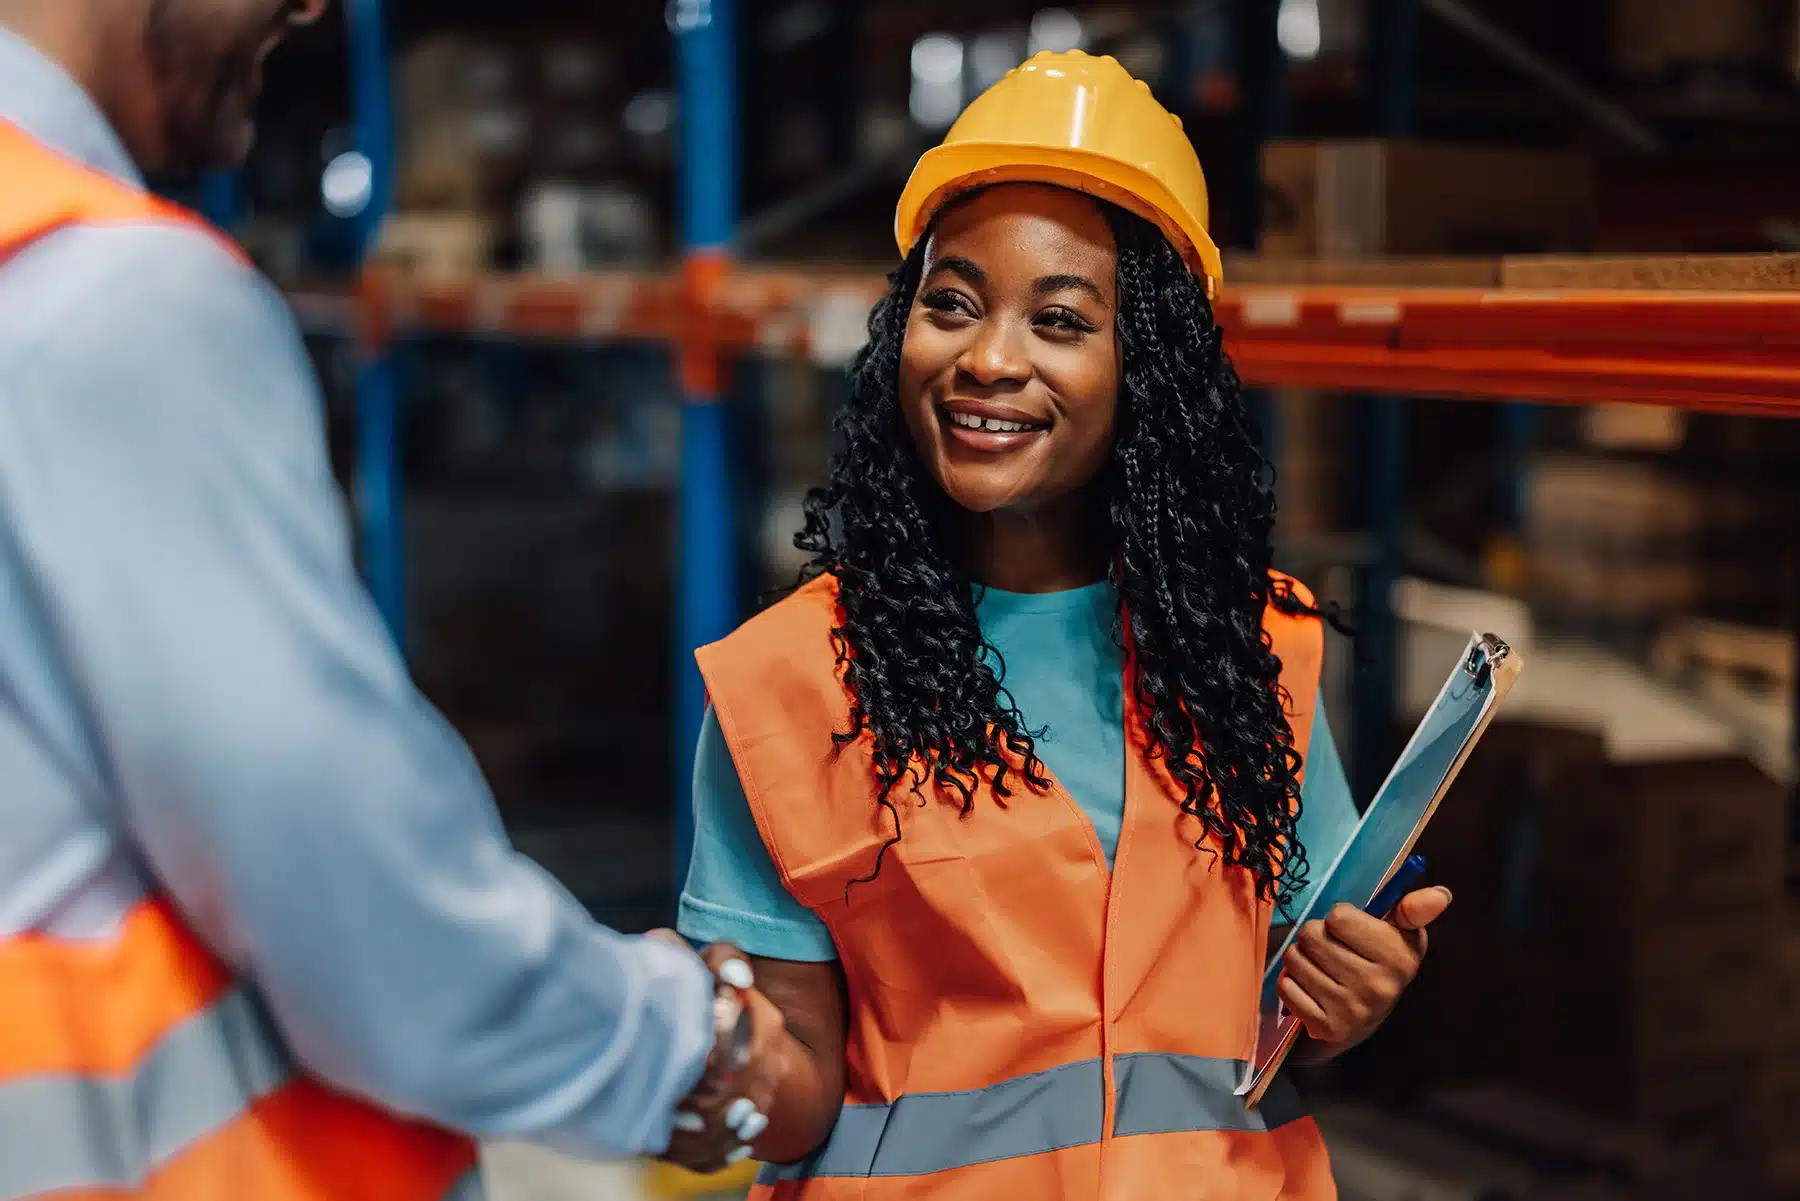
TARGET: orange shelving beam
(1725,351)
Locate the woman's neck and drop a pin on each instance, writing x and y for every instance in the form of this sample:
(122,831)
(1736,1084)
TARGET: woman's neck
(1052,548)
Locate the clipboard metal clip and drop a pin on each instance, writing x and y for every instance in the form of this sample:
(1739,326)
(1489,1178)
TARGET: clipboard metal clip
(1486,653)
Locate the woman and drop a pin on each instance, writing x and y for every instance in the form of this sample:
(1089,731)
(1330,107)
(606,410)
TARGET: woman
(1001,803)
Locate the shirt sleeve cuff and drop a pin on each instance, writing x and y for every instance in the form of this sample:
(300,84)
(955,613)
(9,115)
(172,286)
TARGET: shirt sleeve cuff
(755,933)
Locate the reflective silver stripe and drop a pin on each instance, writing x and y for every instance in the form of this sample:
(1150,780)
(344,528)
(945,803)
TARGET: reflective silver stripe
(923,1133)
(71,1132)
(1174,1094)
(468,1187)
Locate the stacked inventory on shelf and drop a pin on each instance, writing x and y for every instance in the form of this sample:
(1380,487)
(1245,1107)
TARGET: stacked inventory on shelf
(1780,1101)
(1721,41)
(1621,937)
(1652,515)
(1330,206)
(1616,940)
(513,151)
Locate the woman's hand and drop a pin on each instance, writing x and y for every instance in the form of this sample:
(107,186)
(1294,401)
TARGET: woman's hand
(1344,975)
(727,1111)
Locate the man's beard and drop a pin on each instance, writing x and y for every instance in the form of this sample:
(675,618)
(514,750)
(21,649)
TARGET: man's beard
(203,97)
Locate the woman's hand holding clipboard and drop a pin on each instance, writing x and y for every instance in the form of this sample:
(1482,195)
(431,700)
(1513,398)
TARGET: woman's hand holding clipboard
(1372,871)
(1344,973)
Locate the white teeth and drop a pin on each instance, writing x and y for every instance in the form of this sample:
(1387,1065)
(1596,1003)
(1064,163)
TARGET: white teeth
(994,425)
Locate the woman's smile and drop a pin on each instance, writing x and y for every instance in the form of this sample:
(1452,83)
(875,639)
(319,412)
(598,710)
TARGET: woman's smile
(989,428)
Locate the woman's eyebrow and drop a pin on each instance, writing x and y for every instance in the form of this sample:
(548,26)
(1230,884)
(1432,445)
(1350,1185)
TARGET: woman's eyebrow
(963,267)
(1064,283)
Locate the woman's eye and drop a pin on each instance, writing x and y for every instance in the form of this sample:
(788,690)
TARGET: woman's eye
(1065,319)
(944,300)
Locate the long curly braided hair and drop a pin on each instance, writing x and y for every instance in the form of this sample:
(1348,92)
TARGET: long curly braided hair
(1191,513)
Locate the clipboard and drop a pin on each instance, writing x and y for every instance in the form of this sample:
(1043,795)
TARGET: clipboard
(1379,847)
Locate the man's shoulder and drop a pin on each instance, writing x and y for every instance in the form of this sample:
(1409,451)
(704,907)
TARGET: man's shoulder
(139,280)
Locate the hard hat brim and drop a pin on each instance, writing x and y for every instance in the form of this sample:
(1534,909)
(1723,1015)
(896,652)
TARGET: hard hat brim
(954,169)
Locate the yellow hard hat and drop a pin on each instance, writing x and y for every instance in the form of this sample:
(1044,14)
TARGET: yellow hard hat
(1079,122)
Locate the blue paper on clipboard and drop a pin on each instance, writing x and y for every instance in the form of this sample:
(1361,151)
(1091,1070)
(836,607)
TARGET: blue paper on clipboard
(1390,827)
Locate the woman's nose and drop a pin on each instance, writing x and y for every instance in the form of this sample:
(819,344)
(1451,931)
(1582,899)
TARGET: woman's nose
(997,355)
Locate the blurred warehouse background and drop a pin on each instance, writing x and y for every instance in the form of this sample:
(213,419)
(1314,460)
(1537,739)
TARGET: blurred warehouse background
(1611,1009)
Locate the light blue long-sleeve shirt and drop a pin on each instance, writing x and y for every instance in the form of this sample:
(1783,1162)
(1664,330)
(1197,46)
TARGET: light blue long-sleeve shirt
(197,698)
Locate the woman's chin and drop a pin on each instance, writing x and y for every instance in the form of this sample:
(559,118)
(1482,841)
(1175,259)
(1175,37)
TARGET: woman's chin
(979,497)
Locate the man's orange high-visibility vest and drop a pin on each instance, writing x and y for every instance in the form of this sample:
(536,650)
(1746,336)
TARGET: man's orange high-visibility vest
(139,1066)
(1024,1022)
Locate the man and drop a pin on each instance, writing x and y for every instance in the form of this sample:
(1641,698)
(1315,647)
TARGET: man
(261,934)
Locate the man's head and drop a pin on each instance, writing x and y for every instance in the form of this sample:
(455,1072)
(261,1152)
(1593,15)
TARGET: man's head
(204,62)
(177,78)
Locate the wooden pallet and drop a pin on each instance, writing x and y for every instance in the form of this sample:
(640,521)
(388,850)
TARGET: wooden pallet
(1717,657)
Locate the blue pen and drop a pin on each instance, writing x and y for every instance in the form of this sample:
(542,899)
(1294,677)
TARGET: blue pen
(1407,875)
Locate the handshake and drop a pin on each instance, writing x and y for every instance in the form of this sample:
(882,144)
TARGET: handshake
(717,1125)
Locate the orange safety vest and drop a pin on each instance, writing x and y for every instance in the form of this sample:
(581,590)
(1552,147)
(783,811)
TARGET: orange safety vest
(1023,1023)
(138,1066)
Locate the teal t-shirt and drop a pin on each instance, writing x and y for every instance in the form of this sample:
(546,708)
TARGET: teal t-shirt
(1058,659)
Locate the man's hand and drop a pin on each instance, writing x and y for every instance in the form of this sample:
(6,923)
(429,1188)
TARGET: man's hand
(718,1122)
(1344,975)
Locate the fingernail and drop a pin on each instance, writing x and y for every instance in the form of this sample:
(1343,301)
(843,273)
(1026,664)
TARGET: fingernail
(740,1112)
(737,973)
(1448,895)
(753,1127)
(738,1156)
(689,1123)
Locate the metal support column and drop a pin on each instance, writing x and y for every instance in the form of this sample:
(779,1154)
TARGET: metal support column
(1375,687)
(706,54)
(1261,68)
(222,198)
(1394,55)
(378,483)
(1262,90)
(1505,554)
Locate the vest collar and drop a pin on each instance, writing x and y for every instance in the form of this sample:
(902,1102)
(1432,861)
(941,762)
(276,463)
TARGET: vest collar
(42,99)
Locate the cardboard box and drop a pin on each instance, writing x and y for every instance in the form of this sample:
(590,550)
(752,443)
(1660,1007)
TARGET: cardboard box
(1659,1050)
(459,72)
(1649,986)
(1683,272)
(1652,38)
(464,123)
(1722,1006)
(465,160)
(1488,997)
(1484,840)
(1634,427)
(1778,1125)
(436,247)
(1366,198)
(1684,841)
(1593,503)
(1787,984)
(1703,1106)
